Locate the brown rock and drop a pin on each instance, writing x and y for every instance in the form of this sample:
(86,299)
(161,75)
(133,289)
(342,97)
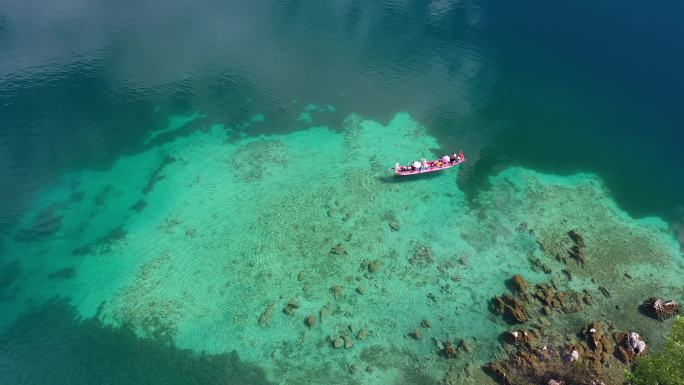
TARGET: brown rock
(498,371)
(593,335)
(310,321)
(660,309)
(362,334)
(577,253)
(361,290)
(576,238)
(449,350)
(511,307)
(465,346)
(416,334)
(518,283)
(629,346)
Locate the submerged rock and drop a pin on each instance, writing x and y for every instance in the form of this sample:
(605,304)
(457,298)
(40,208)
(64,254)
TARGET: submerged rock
(291,307)
(426,323)
(416,334)
(518,283)
(659,309)
(422,255)
(338,249)
(576,252)
(374,266)
(338,342)
(348,342)
(337,291)
(266,314)
(576,238)
(449,350)
(310,321)
(511,307)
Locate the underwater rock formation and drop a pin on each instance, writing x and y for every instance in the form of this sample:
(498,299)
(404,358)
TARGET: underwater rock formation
(338,249)
(576,252)
(266,314)
(593,359)
(511,307)
(515,307)
(448,349)
(422,255)
(520,336)
(291,307)
(518,283)
(564,301)
(310,321)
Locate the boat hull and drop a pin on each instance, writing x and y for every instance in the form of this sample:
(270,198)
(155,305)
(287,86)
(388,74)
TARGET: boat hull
(431,168)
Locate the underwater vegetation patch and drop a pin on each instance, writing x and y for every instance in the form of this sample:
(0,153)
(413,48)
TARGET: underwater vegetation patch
(102,245)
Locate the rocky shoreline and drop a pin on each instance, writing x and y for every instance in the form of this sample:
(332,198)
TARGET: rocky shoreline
(598,354)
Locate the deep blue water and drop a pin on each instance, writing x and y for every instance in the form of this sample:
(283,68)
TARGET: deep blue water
(558,87)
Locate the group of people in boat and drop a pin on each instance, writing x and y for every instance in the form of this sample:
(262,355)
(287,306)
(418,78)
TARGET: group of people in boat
(424,165)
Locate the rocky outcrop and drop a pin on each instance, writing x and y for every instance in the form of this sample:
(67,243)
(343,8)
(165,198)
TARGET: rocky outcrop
(546,298)
(265,316)
(520,336)
(590,359)
(510,307)
(576,252)
(564,301)
(659,309)
(291,307)
(518,283)
(629,346)
(448,349)
(544,365)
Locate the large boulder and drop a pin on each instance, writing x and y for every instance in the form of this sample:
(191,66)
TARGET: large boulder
(629,346)
(660,309)
(518,283)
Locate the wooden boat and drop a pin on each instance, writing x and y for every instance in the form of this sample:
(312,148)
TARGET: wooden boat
(429,166)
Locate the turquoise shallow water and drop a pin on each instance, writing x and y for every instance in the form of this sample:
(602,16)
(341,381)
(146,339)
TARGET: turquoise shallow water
(193,241)
(186,185)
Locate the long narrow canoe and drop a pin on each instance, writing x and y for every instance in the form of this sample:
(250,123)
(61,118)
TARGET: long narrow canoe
(433,165)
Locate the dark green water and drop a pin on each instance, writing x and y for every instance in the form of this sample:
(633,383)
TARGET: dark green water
(556,87)
(559,87)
